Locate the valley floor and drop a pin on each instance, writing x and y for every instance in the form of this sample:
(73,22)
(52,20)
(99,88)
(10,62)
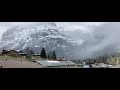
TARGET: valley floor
(14,63)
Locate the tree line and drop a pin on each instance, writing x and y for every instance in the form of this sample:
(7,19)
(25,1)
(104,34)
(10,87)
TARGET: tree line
(50,55)
(30,53)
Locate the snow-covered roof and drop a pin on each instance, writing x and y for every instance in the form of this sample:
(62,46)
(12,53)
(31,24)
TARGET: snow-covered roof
(22,53)
(49,63)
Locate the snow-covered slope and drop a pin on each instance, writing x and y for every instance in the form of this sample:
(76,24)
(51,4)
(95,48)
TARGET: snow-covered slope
(39,35)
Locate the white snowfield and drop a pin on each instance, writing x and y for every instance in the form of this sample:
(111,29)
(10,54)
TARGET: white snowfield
(25,35)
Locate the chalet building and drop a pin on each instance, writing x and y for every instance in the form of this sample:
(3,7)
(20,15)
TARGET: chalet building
(89,61)
(4,52)
(97,60)
(10,53)
(23,54)
(13,53)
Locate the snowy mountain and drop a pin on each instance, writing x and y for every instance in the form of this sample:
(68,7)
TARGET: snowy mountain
(79,40)
(39,35)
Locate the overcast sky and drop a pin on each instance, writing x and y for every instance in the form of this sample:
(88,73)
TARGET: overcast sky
(67,25)
(104,38)
(58,23)
(71,26)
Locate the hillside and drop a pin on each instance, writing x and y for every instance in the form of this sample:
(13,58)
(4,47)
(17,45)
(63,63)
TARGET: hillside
(36,36)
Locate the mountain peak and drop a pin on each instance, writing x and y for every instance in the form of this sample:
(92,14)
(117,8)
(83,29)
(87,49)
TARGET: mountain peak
(36,36)
(52,23)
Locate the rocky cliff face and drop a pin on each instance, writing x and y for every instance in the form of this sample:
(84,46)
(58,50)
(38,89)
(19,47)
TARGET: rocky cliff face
(36,36)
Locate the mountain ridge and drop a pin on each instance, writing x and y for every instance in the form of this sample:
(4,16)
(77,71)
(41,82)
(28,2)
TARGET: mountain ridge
(37,36)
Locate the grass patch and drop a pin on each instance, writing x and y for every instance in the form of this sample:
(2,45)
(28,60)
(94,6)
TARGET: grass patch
(113,60)
(19,58)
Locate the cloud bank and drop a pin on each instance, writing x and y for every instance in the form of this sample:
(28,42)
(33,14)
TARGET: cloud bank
(99,38)
(104,40)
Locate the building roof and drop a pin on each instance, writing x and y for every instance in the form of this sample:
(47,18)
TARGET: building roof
(49,63)
(22,53)
(36,55)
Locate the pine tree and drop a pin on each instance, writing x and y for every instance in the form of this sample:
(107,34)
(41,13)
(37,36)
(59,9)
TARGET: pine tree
(43,53)
(54,55)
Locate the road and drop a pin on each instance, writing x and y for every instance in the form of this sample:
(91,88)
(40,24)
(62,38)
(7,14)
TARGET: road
(18,64)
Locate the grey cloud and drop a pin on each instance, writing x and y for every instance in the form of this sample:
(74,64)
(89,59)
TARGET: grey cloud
(99,37)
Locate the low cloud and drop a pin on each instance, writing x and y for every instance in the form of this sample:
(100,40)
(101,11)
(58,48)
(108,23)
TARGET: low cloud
(99,38)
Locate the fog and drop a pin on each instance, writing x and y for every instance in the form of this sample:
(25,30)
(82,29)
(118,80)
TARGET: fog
(68,26)
(104,40)
(99,38)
